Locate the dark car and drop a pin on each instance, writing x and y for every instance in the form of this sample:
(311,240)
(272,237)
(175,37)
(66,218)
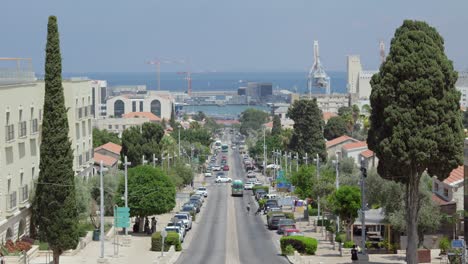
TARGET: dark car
(197,203)
(274,219)
(271,203)
(284,224)
(188,207)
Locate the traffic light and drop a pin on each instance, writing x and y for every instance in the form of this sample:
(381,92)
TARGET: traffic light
(364,172)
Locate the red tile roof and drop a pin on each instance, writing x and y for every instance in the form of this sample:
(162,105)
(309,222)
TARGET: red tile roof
(455,176)
(106,160)
(439,200)
(367,153)
(112,147)
(269,124)
(355,145)
(328,115)
(338,140)
(149,115)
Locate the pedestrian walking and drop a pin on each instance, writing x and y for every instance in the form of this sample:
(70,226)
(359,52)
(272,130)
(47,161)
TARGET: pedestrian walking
(147,228)
(153,225)
(248,208)
(2,258)
(354,253)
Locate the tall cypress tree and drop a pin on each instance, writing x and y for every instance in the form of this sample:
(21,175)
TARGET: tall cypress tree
(276,129)
(55,211)
(308,129)
(415,120)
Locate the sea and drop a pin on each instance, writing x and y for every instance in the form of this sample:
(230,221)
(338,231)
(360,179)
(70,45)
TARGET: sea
(216,81)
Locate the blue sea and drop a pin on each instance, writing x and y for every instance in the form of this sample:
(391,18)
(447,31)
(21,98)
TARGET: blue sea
(216,81)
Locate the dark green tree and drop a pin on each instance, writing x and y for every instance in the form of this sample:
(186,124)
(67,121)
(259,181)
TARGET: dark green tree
(308,129)
(173,121)
(415,120)
(150,191)
(101,137)
(304,180)
(252,119)
(345,203)
(199,116)
(137,142)
(54,208)
(335,127)
(276,130)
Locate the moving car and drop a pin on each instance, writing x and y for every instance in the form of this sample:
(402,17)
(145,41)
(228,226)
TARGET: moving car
(208,174)
(251,174)
(216,168)
(271,203)
(248,186)
(226,168)
(292,232)
(202,190)
(224,179)
(177,230)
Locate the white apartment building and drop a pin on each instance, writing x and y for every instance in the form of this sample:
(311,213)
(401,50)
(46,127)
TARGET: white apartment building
(99,95)
(462,86)
(358,80)
(159,103)
(21,109)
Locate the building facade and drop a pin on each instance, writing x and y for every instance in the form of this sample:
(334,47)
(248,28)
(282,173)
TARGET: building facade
(159,103)
(20,138)
(98,99)
(462,86)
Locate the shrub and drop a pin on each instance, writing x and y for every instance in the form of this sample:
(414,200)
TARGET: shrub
(303,245)
(444,244)
(323,222)
(288,250)
(340,237)
(289,215)
(172,239)
(262,202)
(11,248)
(194,216)
(348,244)
(312,211)
(255,188)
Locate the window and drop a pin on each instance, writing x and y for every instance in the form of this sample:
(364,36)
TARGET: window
(436,187)
(22,129)
(109,126)
(116,126)
(34,126)
(83,128)
(77,130)
(156,107)
(10,132)
(89,127)
(134,106)
(446,192)
(141,106)
(119,108)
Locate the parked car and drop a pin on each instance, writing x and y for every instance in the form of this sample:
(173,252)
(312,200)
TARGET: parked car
(226,168)
(274,218)
(189,208)
(284,224)
(260,193)
(248,186)
(251,174)
(272,196)
(292,232)
(273,208)
(180,224)
(196,197)
(186,218)
(224,179)
(216,168)
(196,203)
(208,174)
(271,203)
(203,191)
(177,230)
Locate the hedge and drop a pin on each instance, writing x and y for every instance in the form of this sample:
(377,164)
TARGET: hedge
(172,239)
(255,188)
(303,245)
(348,244)
(323,222)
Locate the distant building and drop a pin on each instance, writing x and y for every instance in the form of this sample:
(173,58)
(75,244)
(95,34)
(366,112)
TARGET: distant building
(109,154)
(462,86)
(132,119)
(330,102)
(241,91)
(259,91)
(98,99)
(358,80)
(160,103)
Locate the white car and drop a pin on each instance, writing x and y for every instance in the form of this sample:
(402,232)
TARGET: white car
(202,190)
(186,218)
(251,174)
(223,179)
(208,174)
(248,186)
(216,168)
(177,230)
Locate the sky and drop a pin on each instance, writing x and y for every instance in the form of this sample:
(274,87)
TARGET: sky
(222,35)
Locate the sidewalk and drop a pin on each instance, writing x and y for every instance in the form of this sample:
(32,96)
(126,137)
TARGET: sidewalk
(137,252)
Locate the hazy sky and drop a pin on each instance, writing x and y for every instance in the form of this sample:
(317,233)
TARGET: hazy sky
(234,35)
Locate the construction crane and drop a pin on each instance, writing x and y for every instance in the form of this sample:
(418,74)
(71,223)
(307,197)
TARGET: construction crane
(158,63)
(317,76)
(188,77)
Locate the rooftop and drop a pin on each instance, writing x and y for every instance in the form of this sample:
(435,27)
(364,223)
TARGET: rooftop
(355,145)
(149,115)
(339,140)
(367,153)
(112,147)
(106,160)
(456,176)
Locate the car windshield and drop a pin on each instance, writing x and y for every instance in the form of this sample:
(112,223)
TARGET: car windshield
(202,189)
(181,216)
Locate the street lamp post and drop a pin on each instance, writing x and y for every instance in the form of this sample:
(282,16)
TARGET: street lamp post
(179,139)
(363,205)
(318,197)
(264,153)
(297,161)
(101,213)
(126,163)
(337,185)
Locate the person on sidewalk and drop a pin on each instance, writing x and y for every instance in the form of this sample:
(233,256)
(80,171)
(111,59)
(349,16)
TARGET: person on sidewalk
(354,253)
(248,208)
(153,224)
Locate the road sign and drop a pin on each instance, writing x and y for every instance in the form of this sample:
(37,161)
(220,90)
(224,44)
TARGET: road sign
(122,217)
(458,243)
(164,233)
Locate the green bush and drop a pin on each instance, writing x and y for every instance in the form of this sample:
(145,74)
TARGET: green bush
(303,245)
(262,202)
(340,237)
(444,244)
(323,222)
(255,188)
(289,215)
(288,250)
(348,244)
(312,211)
(172,239)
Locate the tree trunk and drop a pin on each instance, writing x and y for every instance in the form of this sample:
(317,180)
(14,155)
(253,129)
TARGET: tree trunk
(348,231)
(412,210)
(56,255)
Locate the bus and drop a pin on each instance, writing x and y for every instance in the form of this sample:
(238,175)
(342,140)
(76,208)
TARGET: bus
(237,188)
(224,148)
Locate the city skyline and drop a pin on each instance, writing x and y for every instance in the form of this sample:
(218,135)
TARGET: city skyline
(220,35)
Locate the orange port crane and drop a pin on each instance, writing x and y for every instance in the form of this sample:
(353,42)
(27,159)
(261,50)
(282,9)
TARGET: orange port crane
(158,63)
(188,77)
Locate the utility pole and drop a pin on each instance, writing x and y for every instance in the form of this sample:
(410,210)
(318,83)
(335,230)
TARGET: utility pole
(126,163)
(306,159)
(179,140)
(297,161)
(337,183)
(363,205)
(318,197)
(154,160)
(264,153)
(101,213)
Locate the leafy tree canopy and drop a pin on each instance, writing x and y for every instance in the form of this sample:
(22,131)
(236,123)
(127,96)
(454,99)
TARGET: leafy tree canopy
(276,130)
(137,142)
(101,137)
(199,116)
(308,125)
(345,202)
(252,119)
(335,127)
(150,191)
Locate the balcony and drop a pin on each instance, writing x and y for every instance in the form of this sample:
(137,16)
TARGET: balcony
(10,203)
(22,129)
(34,126)
(23,196)
(9,133)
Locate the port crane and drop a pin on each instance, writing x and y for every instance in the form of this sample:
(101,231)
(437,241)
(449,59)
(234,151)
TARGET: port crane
(317,76)
(188,77)
(158,63)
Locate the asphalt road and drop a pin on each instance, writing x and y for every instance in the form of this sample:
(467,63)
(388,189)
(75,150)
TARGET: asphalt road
(226,234)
